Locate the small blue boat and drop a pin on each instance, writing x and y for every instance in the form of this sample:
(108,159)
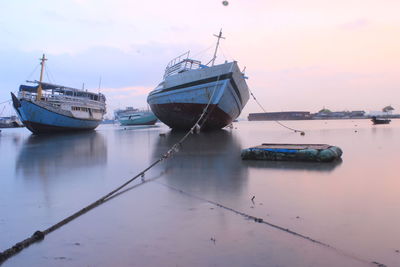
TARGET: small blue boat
(138,118)
(293,152)
(134,116)
(49,108)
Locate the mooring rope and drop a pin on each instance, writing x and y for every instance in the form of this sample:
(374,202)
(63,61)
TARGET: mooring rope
(208,104)
(2,110)
(39,235)
(278,122)
(34,70)
(47,74)
(261,220)
(202,51)
(9,100)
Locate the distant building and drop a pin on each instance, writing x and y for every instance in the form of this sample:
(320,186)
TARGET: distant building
(357,113)
(327,114)
(10,122)
(378,113)
(323,114)
(286,115)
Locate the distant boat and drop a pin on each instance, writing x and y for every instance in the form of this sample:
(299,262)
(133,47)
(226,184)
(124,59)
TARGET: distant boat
(49,108)
(10,122)
(376,120)
(188,87)
(131,116)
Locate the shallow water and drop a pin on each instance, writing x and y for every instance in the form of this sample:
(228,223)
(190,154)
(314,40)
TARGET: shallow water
(352,205)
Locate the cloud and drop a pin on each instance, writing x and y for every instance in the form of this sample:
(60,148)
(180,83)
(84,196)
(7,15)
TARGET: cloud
(55,16)
(80,2)
(127,91)
(120,97)
(355,25)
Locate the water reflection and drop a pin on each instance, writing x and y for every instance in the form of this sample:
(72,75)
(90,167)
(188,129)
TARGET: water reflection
(50,155)
(137,127)
(382,129)
(207,162)
(8,137)
(293,165)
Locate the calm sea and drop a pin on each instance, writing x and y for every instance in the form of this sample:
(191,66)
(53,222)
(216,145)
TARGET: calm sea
(174,219)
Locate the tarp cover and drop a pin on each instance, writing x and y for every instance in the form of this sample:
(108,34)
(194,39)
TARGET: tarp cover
(27,88)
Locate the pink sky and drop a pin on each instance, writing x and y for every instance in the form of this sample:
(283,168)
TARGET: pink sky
(299,55)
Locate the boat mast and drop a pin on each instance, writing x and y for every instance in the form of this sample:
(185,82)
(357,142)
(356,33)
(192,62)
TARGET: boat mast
(98,91)
(219,36)
(39,90)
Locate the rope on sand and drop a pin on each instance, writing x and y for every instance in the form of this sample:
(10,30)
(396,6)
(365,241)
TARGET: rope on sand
(39,235)
(281,228)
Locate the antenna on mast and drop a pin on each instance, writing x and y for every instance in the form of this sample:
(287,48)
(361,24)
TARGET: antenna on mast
(39,89)
(219,36)
(99,84)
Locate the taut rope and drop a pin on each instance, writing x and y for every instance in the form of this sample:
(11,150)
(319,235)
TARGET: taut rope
(278,122)
(39,235)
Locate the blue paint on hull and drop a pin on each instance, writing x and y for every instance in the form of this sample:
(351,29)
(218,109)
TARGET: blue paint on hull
(145,119)
(180,102)
(41,120)
(280,150)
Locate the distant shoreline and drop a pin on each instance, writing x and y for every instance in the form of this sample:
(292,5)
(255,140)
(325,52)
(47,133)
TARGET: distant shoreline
(321,115)
(319,119)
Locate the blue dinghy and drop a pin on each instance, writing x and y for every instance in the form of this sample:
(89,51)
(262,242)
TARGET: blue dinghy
(293,152)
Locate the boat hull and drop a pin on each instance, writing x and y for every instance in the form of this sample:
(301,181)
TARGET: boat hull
(147,119)
(184,115)
(380,121)
(181,104)
(41,120)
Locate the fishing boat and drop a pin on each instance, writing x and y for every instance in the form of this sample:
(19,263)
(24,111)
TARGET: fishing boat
(189,88)
(10,122)
(133,116)
(49,108)
(376,120)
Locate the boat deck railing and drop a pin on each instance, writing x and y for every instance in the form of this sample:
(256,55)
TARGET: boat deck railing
(180,64)
(61,99)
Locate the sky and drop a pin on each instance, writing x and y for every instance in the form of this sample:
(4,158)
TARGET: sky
(299,54)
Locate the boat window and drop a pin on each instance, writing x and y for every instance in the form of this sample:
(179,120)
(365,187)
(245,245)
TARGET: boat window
(80,109)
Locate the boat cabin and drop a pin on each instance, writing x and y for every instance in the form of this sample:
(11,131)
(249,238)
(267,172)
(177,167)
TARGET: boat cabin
(53,90)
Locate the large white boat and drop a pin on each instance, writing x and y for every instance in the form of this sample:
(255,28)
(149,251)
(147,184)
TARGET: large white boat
(47,108)
(188,87)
